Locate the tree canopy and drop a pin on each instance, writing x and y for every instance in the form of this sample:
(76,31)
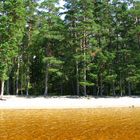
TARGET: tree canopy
(81,48)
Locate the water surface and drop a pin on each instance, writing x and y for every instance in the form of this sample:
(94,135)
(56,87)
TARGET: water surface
(70,124)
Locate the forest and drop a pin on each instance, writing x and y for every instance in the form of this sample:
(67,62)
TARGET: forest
(84,47)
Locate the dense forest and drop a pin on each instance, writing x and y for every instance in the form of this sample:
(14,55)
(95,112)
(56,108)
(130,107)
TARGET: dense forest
(85,47)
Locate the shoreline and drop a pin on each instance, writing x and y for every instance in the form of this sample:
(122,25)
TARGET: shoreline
(68,102)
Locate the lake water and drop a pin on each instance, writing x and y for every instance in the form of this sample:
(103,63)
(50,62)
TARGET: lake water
(70,124)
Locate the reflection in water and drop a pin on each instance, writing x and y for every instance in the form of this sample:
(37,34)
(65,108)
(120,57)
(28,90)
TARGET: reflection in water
(70,124)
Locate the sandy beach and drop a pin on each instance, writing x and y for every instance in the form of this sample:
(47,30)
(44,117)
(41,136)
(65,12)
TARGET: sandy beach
(65,102)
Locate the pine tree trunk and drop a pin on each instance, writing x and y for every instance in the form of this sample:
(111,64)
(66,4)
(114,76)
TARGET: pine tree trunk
(83,49)
(28,60)
(101,85)
(13,86)
(21,82)
(98,90)
(113,87)
(21,86)
(27,82)
(17,78)
(77,79)
(27,89)
(98,87)
(121,90)
(7,87)
(2,89)
(47,71)
(17,89)
(77,68)
(85,71)
(46,82)
(61,89)
(129,89)
(27,86)
(85,87)
(27,76)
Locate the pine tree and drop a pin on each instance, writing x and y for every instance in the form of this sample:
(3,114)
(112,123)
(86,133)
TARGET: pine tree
(49,34)
(11,34)
(81,26)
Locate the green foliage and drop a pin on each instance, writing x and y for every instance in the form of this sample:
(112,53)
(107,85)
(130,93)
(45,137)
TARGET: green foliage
(86,83)
(95,47)
(11,33)
(111,78)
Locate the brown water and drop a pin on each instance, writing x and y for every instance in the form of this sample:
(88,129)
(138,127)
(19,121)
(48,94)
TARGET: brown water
(70,124)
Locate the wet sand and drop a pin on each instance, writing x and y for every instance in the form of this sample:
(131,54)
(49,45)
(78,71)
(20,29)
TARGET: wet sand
(70,124)
(69,118)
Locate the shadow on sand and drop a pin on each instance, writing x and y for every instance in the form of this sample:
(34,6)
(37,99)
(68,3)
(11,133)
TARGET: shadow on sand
(74,97)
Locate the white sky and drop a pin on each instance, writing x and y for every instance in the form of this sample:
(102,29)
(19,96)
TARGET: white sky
(61,2)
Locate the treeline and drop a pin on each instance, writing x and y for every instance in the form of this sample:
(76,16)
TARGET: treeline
(87,47)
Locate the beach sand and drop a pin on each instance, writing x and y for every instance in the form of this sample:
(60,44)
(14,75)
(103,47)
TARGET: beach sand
(66,102)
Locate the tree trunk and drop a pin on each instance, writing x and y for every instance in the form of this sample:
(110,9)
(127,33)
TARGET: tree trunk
(28,58)
(17,89)
(101,85)
(85,71)
(27,86)
(98,87)
(13,86)
(21,81)
(21,86)
(85,87)
(113,87)
(61,89)
(27,76)
(27,82)
(121,89)
(7,87)
(129,89)
(17,78)
(77,79)
(98,90)
(2,89)
(46,82)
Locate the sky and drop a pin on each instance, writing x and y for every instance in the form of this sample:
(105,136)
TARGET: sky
(61,2)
